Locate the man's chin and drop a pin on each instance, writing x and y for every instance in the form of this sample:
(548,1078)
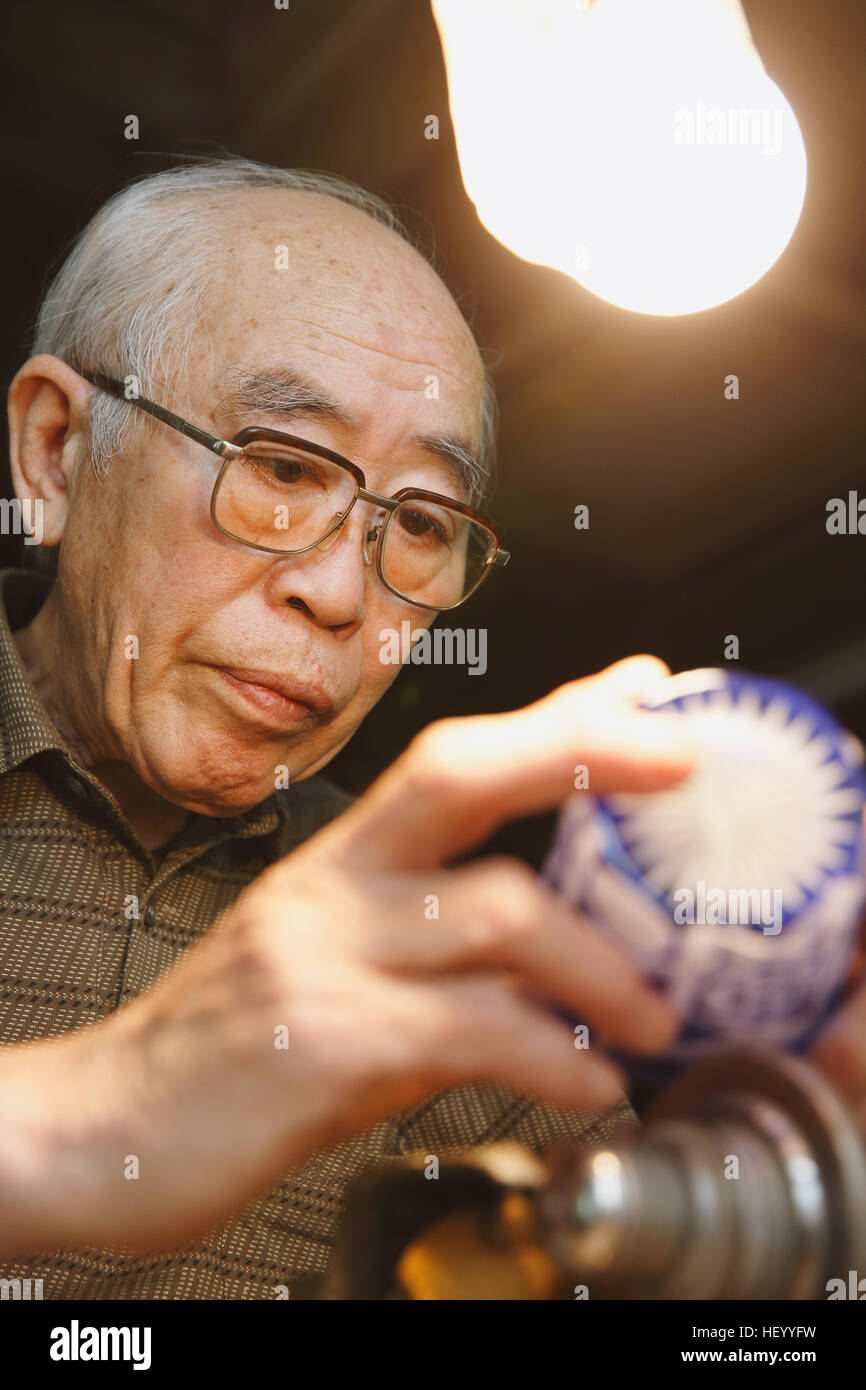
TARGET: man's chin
(222,802)
(225,804)
(223,777)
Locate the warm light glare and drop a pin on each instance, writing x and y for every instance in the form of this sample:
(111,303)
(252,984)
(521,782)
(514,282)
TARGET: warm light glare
(637,145)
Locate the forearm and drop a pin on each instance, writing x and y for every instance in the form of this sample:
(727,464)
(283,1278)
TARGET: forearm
(28,1187)
(116,1135)
(56,1144)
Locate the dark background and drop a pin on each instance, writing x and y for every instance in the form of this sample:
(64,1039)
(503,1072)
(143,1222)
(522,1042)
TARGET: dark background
(707,516)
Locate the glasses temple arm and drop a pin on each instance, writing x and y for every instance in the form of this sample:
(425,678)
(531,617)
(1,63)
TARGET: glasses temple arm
(175,422)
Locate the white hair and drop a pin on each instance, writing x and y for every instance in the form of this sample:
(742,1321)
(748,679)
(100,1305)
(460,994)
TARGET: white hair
(130,294)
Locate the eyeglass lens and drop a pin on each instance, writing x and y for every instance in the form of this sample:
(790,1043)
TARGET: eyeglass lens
(279,497)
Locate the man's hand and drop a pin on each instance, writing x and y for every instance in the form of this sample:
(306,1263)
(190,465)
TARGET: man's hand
(381,1003)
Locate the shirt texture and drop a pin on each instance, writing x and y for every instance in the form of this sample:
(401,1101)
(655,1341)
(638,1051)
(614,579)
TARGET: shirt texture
(90,919)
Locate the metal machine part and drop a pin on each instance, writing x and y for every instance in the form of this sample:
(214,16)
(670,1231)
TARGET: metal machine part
(748,1180)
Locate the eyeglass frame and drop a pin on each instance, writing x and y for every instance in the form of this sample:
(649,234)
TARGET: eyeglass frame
(228,450)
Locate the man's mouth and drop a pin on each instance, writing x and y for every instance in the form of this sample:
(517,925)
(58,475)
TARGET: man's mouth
(281,700)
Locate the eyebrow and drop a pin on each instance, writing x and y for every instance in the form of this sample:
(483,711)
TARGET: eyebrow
(286,394)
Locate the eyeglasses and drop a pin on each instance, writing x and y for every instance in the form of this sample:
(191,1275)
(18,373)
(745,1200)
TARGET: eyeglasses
(281,494)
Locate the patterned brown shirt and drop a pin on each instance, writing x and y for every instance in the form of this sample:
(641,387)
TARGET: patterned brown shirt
(89,919)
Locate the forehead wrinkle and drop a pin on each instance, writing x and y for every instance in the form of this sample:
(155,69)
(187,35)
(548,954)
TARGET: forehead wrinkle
(417,347)
(341,309)
(379,351)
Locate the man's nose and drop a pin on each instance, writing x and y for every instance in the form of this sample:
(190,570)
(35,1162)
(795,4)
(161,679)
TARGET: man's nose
(329,582)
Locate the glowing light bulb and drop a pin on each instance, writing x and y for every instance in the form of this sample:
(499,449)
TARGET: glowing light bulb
(637,145)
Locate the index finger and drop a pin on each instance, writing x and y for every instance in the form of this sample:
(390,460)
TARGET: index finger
(464,777)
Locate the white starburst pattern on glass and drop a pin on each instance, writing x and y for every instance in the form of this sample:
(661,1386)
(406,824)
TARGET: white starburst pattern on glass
(764,809)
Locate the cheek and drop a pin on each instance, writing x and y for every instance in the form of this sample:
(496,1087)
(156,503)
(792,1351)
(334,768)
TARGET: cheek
(170,512)
(146,519)
(168,555)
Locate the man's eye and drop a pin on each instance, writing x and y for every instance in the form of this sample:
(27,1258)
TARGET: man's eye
(290,470)
(421,524)
(282,468)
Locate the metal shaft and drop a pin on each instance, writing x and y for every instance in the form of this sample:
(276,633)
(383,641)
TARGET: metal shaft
(748,1181)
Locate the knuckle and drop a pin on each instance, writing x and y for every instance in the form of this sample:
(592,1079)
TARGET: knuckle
(484,1002)
(436,756)
(427,1037)
(513,897)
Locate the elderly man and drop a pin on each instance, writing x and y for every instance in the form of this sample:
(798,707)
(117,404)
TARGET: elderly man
(240,992)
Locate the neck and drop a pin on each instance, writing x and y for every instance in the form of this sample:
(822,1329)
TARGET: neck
(155,821)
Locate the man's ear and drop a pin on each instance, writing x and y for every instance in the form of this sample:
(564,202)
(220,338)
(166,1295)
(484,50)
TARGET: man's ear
(48,428)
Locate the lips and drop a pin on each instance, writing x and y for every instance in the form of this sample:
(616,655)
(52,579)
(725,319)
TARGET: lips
(282,699)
